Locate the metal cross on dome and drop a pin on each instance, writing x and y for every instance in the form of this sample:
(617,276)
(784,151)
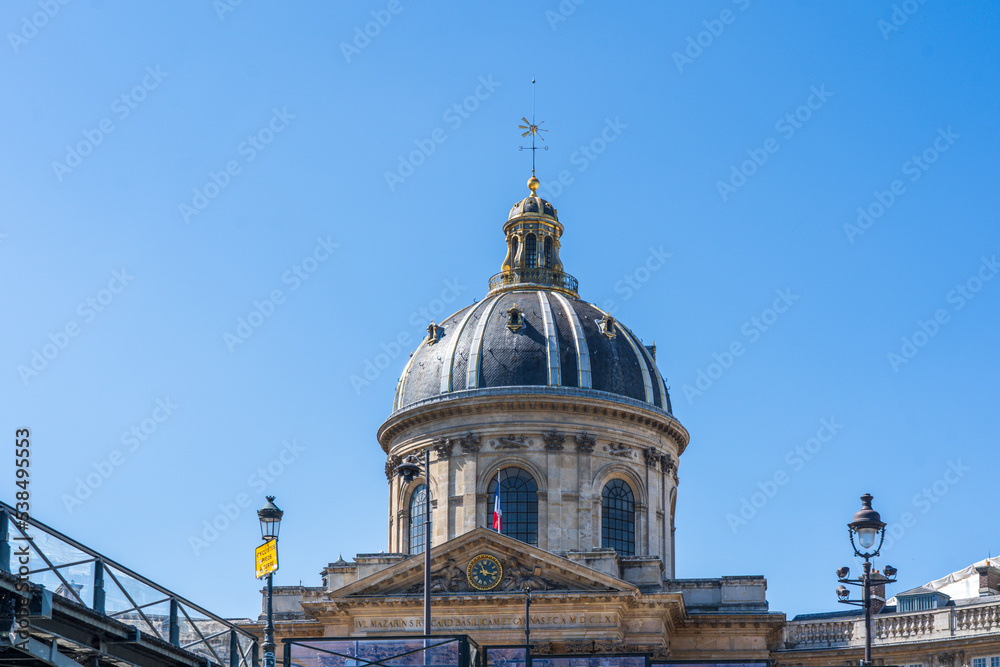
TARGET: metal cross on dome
(530,127)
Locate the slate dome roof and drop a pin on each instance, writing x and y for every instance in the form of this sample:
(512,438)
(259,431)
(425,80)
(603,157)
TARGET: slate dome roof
(561,343)
(532,330)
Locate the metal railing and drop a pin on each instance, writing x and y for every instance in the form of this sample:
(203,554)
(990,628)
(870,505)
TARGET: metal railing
(80,574)
(528,277)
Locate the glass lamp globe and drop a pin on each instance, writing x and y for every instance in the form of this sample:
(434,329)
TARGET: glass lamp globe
(866,537)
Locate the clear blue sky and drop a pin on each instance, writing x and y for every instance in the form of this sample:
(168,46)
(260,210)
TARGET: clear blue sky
(167,166)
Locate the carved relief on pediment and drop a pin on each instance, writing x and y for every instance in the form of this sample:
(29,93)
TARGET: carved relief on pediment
(518,572)
(448,579)
(518,576)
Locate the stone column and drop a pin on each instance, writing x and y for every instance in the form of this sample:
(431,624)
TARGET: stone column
(653,540)
(440,503)
(584,445)
(468,474)
(402,516)
(642,530)
(557,516)
(669,556)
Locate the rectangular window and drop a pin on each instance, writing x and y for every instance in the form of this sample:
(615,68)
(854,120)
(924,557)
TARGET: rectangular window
(917,603)
(995,661)
(979,662)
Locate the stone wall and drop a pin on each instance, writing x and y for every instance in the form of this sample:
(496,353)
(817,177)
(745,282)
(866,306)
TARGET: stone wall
(570,449)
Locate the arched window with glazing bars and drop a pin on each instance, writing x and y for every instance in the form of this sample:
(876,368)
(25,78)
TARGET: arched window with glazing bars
(618,517)
(518,502)
(418,518)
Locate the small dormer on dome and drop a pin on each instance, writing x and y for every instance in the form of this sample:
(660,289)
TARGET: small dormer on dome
(533,231)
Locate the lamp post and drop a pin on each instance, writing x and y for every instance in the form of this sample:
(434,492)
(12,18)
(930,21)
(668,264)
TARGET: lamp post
(527,626)
(409,469)
(869,529)
(270,523)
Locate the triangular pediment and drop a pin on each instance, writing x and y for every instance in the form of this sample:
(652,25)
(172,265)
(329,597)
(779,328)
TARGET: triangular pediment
(521,565)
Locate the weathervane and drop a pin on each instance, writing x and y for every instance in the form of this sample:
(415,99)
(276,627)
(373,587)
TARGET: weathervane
(532,129)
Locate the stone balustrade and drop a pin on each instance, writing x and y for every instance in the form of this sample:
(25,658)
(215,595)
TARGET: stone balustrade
(896,628)
(905,626)
(983,618)
(821,633)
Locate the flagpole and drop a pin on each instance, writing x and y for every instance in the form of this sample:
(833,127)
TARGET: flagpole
(497,508)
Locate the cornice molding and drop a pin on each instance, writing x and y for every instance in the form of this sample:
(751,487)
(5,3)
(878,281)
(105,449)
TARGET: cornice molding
(520,399)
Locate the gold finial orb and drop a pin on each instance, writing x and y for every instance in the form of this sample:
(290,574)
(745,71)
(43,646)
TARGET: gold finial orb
(533,185)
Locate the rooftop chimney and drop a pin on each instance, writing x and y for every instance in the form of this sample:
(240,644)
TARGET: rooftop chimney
(989,579)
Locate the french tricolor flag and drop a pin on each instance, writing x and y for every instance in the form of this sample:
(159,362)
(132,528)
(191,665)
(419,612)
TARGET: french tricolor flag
(497,512)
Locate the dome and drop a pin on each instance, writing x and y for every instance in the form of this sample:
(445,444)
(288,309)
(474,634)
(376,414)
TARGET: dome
(533,206)
(532,331)
(532,338)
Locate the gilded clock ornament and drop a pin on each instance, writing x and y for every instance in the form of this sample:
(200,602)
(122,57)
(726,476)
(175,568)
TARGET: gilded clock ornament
(484,572)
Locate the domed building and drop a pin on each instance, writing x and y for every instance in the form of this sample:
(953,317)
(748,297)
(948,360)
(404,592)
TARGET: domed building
(553,399)
(542,429)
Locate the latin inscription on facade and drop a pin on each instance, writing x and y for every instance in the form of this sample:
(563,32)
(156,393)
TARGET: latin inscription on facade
(488,621)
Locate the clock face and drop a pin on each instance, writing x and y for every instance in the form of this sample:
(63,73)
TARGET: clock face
(484,572)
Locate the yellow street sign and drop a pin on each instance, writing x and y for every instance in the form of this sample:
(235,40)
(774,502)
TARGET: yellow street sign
(267,558)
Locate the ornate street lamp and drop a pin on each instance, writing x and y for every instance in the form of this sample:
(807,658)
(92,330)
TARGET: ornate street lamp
(270,520)
(270,523)
(409,469)
(527,626)
(869,529)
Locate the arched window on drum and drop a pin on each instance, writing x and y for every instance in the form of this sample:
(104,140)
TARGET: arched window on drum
(618,517)
(518,503)
(418,518)
(531,250)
